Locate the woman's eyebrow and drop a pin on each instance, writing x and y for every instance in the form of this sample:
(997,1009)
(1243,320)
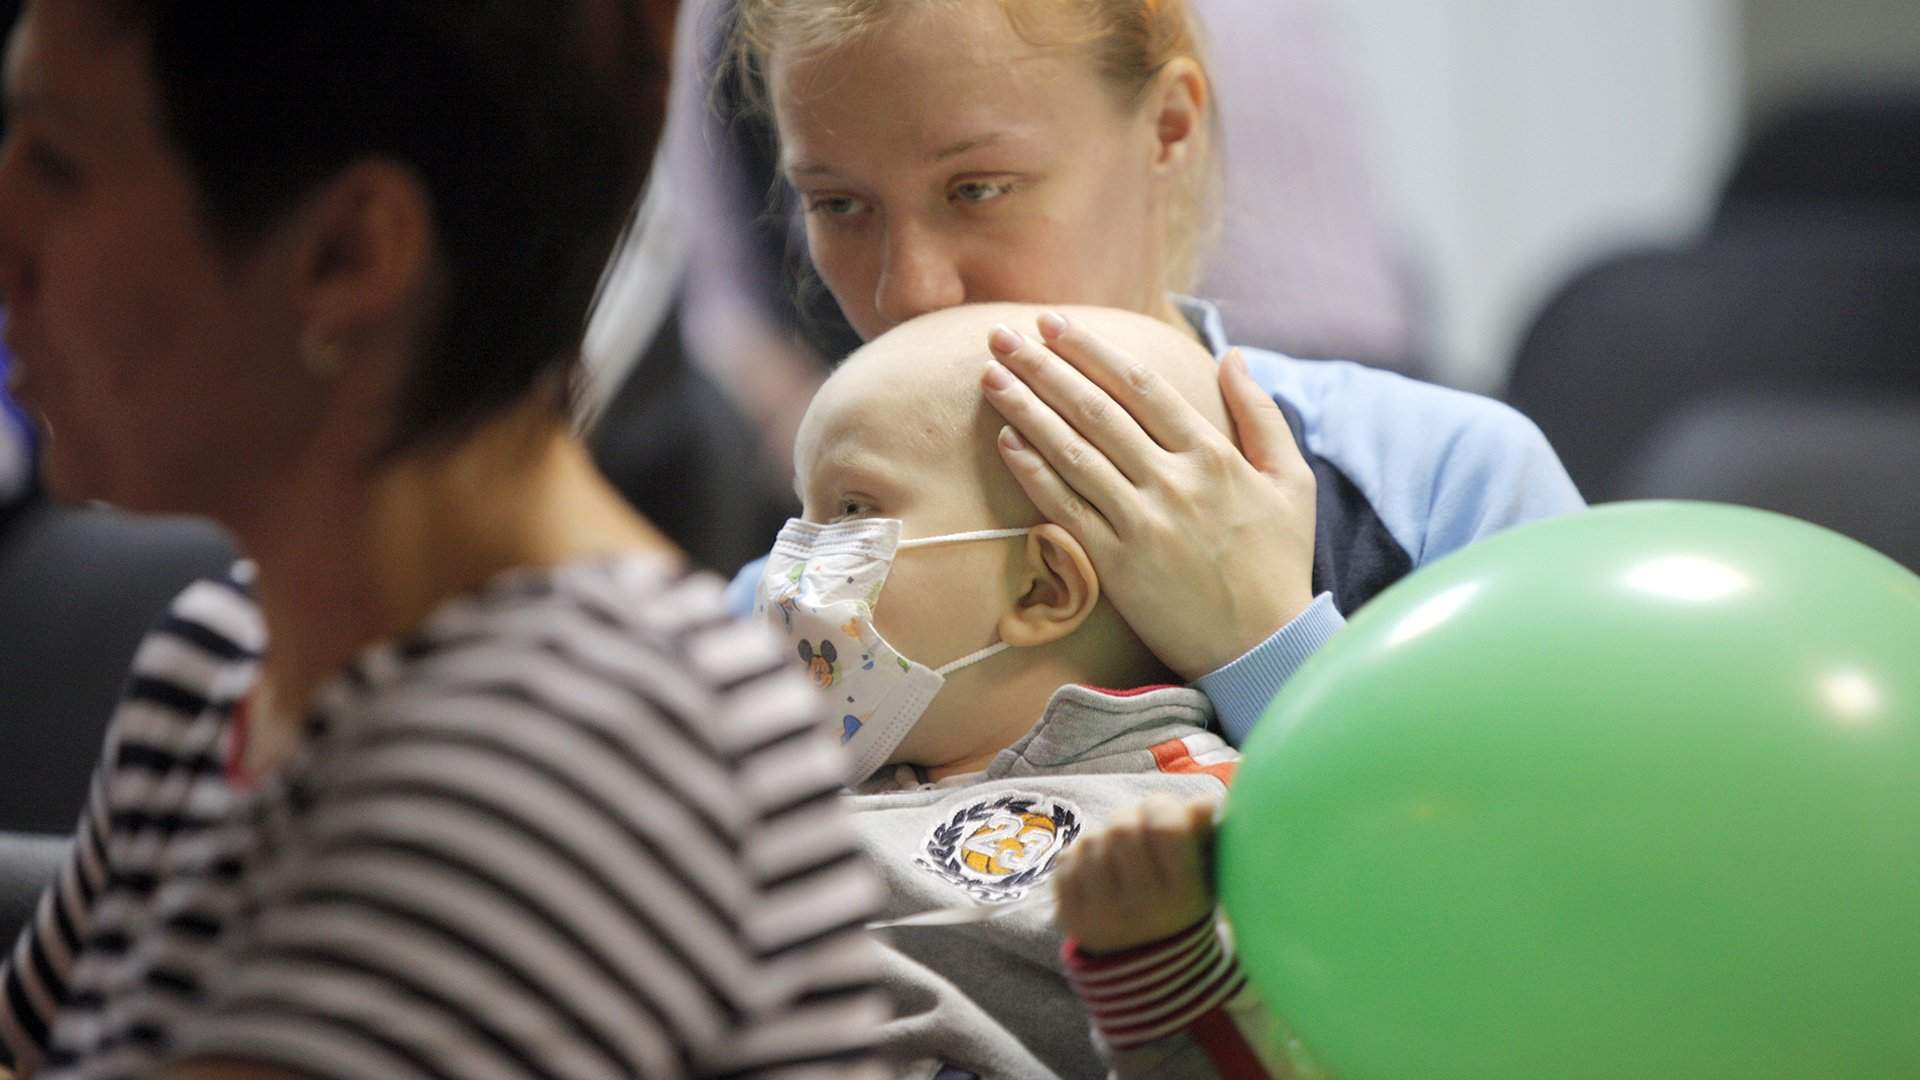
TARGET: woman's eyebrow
(807,168)
(972,142)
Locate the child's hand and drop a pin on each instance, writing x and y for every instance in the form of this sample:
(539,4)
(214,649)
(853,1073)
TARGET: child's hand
(1142,879)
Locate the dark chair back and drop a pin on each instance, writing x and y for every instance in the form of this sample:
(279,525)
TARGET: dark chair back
(1786,307)
(78,589)
(1848,463)
(1859,153)
(685,457)
(28,864)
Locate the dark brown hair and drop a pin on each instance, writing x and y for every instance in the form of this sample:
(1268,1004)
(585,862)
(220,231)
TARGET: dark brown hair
(530,124)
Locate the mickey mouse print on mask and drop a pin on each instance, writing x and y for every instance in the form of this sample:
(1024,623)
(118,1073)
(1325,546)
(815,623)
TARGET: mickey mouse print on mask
(821,661)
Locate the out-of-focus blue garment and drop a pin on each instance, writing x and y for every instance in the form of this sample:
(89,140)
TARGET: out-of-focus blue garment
(16,445)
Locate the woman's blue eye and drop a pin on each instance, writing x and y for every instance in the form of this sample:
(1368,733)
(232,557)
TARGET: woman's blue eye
(980,191)
(833,205)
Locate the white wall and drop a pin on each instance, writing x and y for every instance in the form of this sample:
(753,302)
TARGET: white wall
(1522,138)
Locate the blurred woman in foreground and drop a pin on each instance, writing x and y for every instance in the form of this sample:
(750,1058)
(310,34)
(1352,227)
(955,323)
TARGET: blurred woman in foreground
(462,775)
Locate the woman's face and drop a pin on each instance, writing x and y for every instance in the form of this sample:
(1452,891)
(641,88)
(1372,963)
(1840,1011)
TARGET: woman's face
(134,340)
(944,160)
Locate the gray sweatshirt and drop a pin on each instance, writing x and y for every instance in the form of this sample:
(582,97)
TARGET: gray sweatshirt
(990,998)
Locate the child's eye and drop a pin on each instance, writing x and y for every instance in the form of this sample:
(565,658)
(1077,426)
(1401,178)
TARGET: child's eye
(977,192)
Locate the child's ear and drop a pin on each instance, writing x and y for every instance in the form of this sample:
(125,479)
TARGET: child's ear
(1058,590)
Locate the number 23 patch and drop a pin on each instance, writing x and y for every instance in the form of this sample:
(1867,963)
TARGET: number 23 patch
(998,849)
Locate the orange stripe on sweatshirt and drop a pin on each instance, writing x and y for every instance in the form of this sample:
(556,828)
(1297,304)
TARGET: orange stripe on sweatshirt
(1174,756)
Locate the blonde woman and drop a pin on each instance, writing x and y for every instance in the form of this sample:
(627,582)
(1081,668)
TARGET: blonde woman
(1062,151)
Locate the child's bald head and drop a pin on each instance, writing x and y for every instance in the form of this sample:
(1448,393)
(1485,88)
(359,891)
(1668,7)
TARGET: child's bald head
(914,393)
(902,430)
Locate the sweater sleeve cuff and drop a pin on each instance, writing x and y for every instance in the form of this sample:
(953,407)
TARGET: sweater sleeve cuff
(1155,990)
(1241,690)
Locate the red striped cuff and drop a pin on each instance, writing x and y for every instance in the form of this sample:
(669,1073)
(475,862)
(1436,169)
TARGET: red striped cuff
(1155,990)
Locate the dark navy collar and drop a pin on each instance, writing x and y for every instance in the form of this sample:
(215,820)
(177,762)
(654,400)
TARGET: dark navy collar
(1204,315)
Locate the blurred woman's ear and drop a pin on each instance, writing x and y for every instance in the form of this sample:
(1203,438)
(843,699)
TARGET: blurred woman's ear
(365,258)
(1057,588)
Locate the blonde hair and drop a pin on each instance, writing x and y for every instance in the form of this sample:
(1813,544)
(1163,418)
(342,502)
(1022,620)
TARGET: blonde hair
(1129,42)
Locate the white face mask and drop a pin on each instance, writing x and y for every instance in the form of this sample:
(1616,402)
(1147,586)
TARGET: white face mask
(819,588)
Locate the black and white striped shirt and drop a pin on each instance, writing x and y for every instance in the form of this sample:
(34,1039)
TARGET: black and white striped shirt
(578,825)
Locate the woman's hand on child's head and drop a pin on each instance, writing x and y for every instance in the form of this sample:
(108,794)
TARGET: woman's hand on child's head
(1205,548)
(1141,879)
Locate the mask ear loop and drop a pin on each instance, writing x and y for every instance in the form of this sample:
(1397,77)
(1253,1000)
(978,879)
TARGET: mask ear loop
(956,538)
(971,658)
(997,647)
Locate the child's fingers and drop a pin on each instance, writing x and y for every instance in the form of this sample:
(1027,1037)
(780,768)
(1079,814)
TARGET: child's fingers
(1166,839)
(1126,863)
(1129,817)
(1091,865)
(1070,884)
(1206,824)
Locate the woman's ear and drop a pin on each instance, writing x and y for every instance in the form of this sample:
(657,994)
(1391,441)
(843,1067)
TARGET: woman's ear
(1176,103)
(366,257)
(1057,589)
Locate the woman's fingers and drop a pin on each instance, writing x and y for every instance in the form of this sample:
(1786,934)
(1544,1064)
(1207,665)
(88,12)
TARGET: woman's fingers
(1069,480)
(1258,424)
(1204,550)
(1164,827)
(1079,401)
(1145,396)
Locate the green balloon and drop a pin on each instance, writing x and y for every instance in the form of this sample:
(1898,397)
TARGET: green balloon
(1634,792)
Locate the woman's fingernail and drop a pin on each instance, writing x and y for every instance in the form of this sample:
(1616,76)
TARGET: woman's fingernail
(1011,439)
(1052,325)
(1003,341)
(996,377)
(1236,361)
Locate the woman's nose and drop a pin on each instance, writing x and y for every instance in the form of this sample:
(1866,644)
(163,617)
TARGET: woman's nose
(921,275)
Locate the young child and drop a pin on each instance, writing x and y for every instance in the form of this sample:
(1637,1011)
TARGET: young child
(964,646)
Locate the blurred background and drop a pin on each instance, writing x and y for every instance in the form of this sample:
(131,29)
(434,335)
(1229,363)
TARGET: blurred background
(1682,235)
(1520,142)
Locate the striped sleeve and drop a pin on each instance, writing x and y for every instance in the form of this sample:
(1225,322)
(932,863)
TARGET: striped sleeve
(1178,1008)
(209,627)
(552,846)
(35,976)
